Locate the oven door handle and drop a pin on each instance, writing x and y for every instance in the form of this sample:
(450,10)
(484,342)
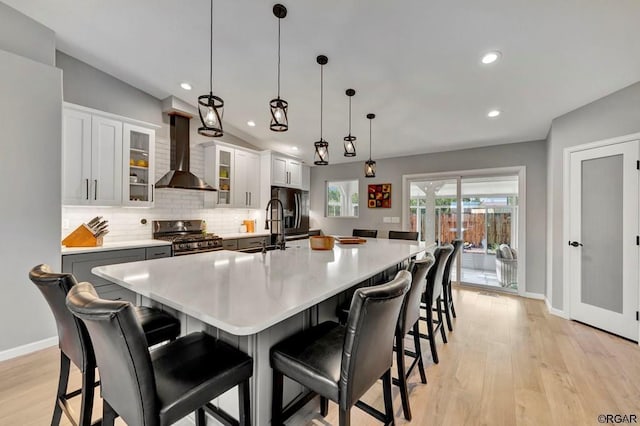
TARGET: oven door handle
(207,250)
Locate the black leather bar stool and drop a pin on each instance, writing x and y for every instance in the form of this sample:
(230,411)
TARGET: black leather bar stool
(367,233)
(447,295)
(408,321)
(431,298)
(403,235)
(75,345)
(160,387)
(341,363)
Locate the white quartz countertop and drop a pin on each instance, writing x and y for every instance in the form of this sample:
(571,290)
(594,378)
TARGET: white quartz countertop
(236,235)
(121,245)
(243,293)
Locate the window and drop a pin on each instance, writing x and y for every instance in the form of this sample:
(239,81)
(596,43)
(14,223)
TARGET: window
(342,198)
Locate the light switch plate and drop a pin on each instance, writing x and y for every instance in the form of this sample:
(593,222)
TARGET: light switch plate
(386,219)
(395,219)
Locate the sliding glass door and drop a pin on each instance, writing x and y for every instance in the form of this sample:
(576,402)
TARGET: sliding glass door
(483,212)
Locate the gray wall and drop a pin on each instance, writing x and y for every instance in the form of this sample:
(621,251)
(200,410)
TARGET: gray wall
(23,36)
(87,86)
(529,154)
(614,115)
(30,161)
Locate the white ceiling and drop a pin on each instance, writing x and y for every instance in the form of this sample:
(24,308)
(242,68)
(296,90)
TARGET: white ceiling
(414,63)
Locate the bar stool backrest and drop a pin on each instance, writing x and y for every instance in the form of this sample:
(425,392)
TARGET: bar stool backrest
(403,235)
(435,275)
(73,338)
(410,312)
(368,345)
(368,233)
(457,245)
(126,373)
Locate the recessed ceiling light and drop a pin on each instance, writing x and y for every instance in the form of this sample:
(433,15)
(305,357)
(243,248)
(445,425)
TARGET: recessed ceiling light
(185,86)
(294,148)
(493,113)
(491,57)
(251,123)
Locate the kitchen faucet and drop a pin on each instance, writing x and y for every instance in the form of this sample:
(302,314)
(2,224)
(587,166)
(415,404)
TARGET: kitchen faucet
(280,241)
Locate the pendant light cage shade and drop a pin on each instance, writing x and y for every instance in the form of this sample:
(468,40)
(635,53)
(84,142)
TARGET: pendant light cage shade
(321,157)
(370,165)
(211,110)
(369,169)
(279,115)
(279,107)
(349,146)
(211,107)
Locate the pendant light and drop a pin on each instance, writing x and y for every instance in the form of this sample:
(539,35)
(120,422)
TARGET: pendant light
(370,166)
(349,147)
(211,107)
(279,107)
(321,157)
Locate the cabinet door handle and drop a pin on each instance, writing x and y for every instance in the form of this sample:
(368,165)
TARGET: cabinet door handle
(250,198)
(87,181)
(153,188)
(95,189)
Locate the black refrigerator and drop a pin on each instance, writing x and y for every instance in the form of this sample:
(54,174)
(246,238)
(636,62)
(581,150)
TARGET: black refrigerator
(296,213)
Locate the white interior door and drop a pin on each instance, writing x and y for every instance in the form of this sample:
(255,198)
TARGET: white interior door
(603,251)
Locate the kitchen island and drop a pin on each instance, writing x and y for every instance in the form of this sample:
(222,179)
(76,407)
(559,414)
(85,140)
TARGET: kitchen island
(255,300)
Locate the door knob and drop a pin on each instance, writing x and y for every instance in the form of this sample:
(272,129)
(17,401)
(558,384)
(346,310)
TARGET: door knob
(575,244)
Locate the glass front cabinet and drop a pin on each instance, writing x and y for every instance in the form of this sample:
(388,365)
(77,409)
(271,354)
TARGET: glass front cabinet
(139,155)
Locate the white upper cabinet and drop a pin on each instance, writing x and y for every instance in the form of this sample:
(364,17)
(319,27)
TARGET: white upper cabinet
(286,172)
(96,163)
(235,173)
(138,165)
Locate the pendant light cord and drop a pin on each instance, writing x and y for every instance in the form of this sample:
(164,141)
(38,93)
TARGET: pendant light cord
(279,19)
(321,92)
(349,115)
(369,139)
(211,53)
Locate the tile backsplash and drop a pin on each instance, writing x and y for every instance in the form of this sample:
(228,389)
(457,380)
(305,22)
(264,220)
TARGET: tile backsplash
(170,204)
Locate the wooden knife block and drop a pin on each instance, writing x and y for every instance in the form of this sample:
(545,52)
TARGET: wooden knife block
(82,237)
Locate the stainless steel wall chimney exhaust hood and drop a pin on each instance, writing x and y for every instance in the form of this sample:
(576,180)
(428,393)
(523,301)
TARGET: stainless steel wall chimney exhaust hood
(179,175)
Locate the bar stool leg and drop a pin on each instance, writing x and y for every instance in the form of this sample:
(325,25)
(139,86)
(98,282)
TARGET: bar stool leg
(388,399)
(245,404)
(402,376)
(200,417)
(446,303)
(63,381)
(432,339)
(416,342)
(324,406)
(276,398)
(439,312)
(453,308)
(88,388)
(345,417)
(108,414)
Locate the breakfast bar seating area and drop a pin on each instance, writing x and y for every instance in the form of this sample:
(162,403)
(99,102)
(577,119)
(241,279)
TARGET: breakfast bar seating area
(292,290)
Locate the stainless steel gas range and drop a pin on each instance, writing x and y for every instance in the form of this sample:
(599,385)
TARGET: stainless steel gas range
(186,236)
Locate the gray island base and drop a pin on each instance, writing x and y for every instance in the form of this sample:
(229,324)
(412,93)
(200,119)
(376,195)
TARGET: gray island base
(255,300)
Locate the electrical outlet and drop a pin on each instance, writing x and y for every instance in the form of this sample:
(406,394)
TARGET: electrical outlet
(65,223)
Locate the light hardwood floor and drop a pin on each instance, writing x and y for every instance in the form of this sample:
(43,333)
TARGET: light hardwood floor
(508,362)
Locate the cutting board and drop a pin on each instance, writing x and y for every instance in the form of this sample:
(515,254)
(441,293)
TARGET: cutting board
(350,240)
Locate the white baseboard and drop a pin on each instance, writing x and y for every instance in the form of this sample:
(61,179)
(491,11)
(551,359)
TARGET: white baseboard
(536,296)
(28,348)
(557,312)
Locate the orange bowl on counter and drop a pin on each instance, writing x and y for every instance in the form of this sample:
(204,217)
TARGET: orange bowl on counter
(321,242)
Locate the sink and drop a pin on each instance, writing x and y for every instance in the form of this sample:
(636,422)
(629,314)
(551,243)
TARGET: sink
(268,248)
